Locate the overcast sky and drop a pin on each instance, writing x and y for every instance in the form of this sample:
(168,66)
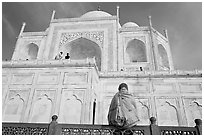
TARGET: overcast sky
(182,20)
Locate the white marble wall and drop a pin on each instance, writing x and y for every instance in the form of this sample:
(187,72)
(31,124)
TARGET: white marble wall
(27,92)
(35,94)
(173,101)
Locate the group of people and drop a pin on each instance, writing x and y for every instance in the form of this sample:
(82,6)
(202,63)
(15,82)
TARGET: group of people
(59,56)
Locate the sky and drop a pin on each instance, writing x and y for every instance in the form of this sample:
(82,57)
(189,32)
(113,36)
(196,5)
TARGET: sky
(182,20)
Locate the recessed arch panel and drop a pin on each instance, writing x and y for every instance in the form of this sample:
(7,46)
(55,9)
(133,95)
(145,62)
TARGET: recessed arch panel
(83,48)
(163,57)
(32,51)
(136,51)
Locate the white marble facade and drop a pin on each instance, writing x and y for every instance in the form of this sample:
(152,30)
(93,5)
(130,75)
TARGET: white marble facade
(103,54)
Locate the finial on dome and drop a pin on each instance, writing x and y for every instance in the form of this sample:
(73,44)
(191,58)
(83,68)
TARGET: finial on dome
(99,8)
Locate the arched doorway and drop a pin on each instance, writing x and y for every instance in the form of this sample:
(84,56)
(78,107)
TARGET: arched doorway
(136,51)
(83,48)
(32,51)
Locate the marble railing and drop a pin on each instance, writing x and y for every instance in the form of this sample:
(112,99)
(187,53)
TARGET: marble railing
(54,128)
(48,63)
(159,74)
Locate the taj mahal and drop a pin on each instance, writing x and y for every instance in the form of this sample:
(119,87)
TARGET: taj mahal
(102,54)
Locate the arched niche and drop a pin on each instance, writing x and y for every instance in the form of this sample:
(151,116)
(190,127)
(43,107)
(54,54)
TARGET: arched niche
(14,109)
(163,58)
(136,51)
(70,114)
(32,51)
(194,112)
(143,113)
(167,115)
(83,48)
(41,110)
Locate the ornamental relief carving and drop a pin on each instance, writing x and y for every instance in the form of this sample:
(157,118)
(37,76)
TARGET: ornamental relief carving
(96,36)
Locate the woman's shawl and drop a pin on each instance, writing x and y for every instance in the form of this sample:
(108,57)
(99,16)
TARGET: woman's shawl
(128,109)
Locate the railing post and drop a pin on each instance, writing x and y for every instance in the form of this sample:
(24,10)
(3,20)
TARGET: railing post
(154,129)
(52,130)
(198,126)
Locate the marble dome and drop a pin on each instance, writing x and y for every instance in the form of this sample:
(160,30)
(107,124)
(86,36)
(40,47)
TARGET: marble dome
(130,24)
(92,14)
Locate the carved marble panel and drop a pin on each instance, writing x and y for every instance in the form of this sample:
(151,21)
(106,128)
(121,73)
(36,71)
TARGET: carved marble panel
(22,78)
(3,94)
(167,113)
(132,88)
(75,78)
(106,104)
(139,88)
(42,105)
(4,79)
(143,109)
(71,106)
(48,78)
(193,109)
(15,105)
(164,87)
(110,87)
(190,87)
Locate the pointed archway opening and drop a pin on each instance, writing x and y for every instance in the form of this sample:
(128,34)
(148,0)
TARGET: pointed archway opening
(83,48)
(136,51)
(32,51)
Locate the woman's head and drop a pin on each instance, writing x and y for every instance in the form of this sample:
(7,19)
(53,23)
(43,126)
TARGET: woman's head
(123,87)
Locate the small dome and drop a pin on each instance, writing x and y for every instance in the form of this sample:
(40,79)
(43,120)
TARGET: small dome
(92,14)
(130,24)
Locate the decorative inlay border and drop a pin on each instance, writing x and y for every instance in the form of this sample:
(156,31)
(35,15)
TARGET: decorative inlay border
(96,36)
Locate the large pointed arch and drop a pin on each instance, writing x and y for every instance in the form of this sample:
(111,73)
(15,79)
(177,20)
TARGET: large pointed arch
(83,48)
(136,51)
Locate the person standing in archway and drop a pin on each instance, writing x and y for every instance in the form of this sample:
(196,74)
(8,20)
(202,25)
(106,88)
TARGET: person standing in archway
(123,112)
